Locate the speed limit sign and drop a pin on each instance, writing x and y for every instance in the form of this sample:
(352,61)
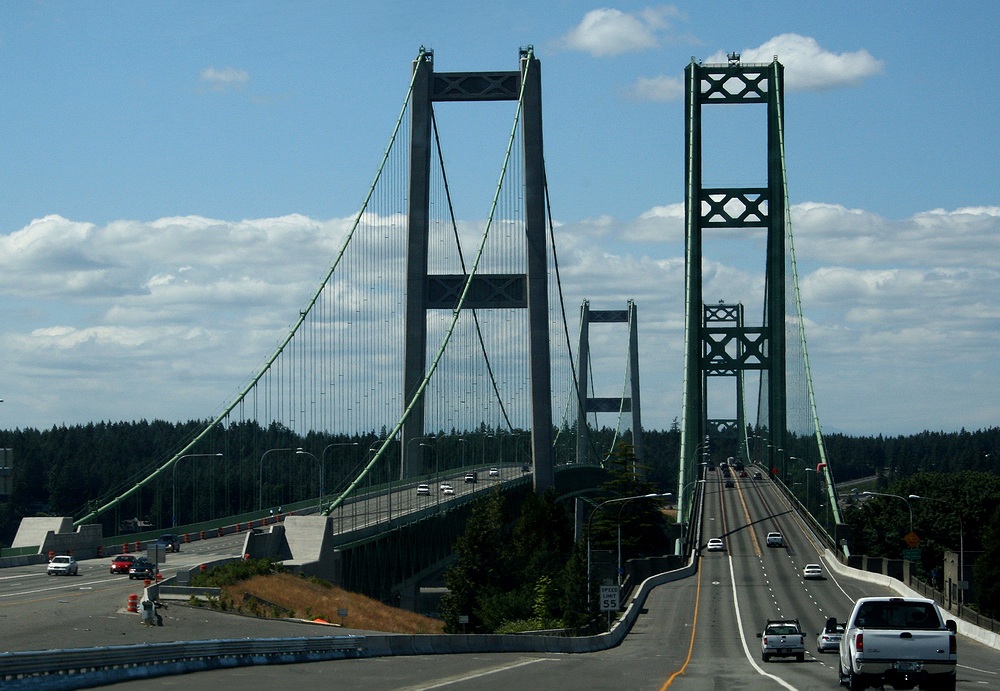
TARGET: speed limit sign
(609,598)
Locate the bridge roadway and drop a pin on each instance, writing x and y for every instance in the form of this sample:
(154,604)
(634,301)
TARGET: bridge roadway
(697,633)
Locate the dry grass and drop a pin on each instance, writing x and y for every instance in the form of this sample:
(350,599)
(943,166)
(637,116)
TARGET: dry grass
(309,600)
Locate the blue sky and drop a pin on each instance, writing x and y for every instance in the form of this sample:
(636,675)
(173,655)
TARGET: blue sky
(116,117)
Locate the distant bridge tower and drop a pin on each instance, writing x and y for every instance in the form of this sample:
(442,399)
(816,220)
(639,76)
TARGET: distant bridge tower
(608,405)
(733,208)
(519,291)
(730,348)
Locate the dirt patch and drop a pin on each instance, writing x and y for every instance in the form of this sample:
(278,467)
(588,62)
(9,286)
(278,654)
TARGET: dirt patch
(281,595)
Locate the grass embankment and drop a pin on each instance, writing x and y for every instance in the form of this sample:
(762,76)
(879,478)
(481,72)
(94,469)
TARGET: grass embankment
(260,588)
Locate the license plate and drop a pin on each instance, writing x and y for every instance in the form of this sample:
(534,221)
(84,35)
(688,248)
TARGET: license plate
(784,650)
(908,666)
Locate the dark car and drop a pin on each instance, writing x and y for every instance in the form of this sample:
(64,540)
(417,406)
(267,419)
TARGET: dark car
(122,563)
(171,543)
(142,568)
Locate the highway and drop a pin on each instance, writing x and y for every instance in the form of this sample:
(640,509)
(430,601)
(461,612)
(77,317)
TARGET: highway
(697,633)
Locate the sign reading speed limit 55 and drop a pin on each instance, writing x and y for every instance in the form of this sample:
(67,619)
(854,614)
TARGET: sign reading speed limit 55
(609,598)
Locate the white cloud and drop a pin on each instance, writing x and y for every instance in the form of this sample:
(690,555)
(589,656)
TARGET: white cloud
(225,78)
(606,32)
(657,89)
(96,316)
(809,67)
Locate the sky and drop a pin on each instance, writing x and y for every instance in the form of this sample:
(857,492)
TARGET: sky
(166,170)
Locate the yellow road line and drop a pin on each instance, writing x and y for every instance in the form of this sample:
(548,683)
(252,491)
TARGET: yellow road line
(694,628)
(746,515)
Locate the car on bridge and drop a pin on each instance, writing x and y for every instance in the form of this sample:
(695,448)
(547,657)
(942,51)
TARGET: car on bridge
(716,545)
(142,569)
(782,638)
(494,472)
(812,571)
(62,565)
(828,640)
(122,563)
(471,477)
(729,483)
(447,489)
(774,539)
(423,490)
(171,543)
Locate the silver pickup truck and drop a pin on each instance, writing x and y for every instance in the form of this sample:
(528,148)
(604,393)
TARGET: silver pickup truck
(782,638)
(898,641)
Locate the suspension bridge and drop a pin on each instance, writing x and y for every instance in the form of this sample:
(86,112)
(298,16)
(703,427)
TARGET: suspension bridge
(432,349)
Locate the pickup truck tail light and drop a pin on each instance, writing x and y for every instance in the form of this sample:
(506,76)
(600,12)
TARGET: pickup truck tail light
(859,643)
(952,645)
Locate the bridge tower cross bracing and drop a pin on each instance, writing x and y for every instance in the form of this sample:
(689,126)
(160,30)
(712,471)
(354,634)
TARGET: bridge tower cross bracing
(729,349)
(491,291)
(590,404)
(733,208)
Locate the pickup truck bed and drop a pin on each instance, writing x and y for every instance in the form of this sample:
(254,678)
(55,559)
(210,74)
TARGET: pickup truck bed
(782,638)
(904,642)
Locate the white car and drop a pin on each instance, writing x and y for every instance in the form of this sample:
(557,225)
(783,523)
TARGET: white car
(716,545)
(423,490)
(774,539)
(447,489)
(494,472)
(62,566)
(812,571)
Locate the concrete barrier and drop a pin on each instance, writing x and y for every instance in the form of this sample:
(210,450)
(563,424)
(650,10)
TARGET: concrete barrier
(965,628)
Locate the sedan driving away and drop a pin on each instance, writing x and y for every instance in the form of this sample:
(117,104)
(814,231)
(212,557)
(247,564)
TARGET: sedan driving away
(774,539)
(812,571)
(716,545)
(828,640)
(62,566)
(423,490)
(447,489)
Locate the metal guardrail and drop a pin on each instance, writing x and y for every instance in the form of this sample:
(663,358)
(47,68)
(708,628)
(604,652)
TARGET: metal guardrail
(79,667)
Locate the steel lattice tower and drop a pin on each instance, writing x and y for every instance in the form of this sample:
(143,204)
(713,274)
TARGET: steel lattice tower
(507,291)
(733,208)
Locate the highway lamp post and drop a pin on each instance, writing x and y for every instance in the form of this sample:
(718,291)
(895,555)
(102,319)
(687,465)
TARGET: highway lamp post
(302,452)
(807,471)
(961,543)
(174,473)
(591,518)
(463,441)
(620,510)
(260,477)
(327,448)
(908,507)
(436,477)
(684,524)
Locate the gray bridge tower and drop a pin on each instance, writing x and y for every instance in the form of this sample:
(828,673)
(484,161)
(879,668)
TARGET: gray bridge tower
(732,209)
(508,291)
(608,405)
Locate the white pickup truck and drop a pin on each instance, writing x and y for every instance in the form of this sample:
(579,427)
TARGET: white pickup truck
(898,641)
(782,638)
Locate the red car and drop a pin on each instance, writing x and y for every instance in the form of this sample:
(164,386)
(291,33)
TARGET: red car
(122,563)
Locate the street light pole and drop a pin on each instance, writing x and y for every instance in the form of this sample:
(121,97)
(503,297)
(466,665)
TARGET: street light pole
(961,544)
(620,510)
(684,524)
(909,508)
(301,452)
(591,518)
(323,456)
(174,473)
(260,478)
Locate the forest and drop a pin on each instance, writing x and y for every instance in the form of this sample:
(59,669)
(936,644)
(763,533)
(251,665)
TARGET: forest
(69,470)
